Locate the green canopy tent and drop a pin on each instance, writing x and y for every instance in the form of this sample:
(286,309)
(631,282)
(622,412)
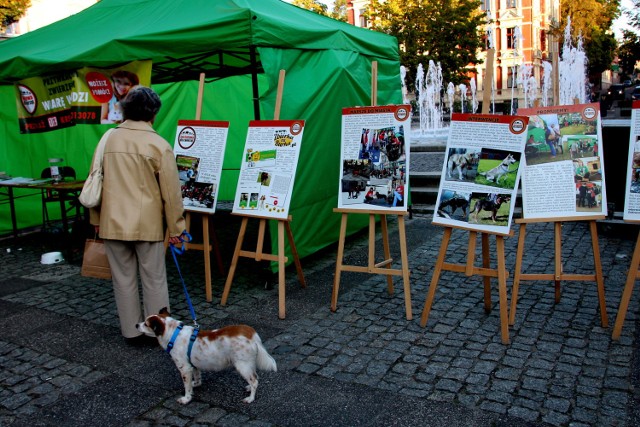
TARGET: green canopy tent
(240,45)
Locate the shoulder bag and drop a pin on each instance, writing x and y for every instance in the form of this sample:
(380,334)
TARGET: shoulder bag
(91,194)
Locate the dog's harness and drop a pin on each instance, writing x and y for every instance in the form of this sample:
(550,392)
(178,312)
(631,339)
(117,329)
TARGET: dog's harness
(192,340)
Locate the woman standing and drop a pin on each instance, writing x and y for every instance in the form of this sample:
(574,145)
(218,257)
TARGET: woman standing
(141,192)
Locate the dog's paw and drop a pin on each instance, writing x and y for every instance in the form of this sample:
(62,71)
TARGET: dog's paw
(197,382)
(248,399)
(184,400)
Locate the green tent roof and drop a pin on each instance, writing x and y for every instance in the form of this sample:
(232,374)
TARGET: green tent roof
(182,37)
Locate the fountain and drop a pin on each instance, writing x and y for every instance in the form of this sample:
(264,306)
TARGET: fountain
(572,70)
(429,103)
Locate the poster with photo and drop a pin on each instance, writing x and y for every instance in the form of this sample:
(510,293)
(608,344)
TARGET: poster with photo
(374,157)
(481,171)
(268,168)
(199,150)
(564,173)
(632,194)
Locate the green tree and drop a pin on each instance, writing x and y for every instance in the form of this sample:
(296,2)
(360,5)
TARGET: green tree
(634,14)
(629,52)
(312,5)
(339,11)
(445,31)
(600,50)
(11,11)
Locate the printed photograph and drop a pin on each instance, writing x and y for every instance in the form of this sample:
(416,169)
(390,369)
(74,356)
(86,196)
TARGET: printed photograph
(489,208)
(588,196)
(454,205)
(462,164)
(498,168)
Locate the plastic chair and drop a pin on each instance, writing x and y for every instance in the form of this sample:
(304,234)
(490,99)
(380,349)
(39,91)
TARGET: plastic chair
(51,195)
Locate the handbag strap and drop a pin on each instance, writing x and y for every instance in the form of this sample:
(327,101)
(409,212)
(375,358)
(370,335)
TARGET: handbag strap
(97,161)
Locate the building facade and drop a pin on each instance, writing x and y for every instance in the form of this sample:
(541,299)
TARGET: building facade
(517,30)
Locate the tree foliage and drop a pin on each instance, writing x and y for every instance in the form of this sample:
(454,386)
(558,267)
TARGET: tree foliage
(634,14)
(339,11)
(11,11)
(445,31)
(600,51)
(587,16)
(629,52)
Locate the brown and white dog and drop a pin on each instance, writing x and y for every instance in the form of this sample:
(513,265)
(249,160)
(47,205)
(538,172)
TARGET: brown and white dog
(212,350)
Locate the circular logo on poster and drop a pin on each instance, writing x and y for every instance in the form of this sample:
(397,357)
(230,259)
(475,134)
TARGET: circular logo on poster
(589,113)
(28,99)
(517,126)
(401,114)
(99,87)
(187,137)
(296,128)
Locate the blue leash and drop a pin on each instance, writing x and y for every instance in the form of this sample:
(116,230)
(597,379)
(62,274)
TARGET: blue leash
(179,251)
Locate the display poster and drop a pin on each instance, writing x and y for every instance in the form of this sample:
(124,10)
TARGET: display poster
(199,149)
(632,195)
(85,96)
(44,103)
(375,157)
(98,91)
(481,171)
(564,173)
(268,168)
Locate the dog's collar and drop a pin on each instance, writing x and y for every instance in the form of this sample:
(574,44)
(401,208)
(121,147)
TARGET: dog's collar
(191,340)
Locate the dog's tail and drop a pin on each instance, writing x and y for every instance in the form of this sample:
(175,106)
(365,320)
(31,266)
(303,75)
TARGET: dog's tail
(264,361)
(482,173)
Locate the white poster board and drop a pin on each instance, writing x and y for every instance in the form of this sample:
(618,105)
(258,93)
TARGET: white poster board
(375,157)
(632,195)
(199,150)
(481,172)
(268,168)
(564,173)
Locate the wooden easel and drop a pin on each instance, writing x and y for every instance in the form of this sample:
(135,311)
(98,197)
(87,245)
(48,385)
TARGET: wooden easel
(558,275)
(632,275)
(258,254)
(205,246)
(469,269)
(372,267)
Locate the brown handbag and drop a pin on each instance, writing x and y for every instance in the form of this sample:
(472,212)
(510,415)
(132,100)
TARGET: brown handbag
(94,261)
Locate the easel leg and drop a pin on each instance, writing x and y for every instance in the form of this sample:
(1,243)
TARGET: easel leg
(632,275)
(234,261)
(207,257)
(436,276)
(294,252)
(502,290)
(405,267)
(387,250)
(281,271)
(339,261)
(599,276)
(557,228)
(486,260)
(516,274)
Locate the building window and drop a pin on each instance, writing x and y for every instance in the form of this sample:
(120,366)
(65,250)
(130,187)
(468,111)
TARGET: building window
(512,4)
(512,77)
(510,41)
(363,20)
(486,5)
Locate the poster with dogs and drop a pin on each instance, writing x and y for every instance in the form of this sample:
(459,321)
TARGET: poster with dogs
(268,168)
(199,148)
(632,195)
(375,158)
(481,172)
(564,172)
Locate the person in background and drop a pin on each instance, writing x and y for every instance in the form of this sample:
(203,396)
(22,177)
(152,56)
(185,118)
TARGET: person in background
(140,193)
(123,81)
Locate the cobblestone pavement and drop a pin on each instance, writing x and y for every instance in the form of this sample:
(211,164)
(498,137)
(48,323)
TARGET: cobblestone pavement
(64,363)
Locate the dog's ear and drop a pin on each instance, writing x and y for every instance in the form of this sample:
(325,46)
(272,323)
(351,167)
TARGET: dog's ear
(156,324)
(164,311)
